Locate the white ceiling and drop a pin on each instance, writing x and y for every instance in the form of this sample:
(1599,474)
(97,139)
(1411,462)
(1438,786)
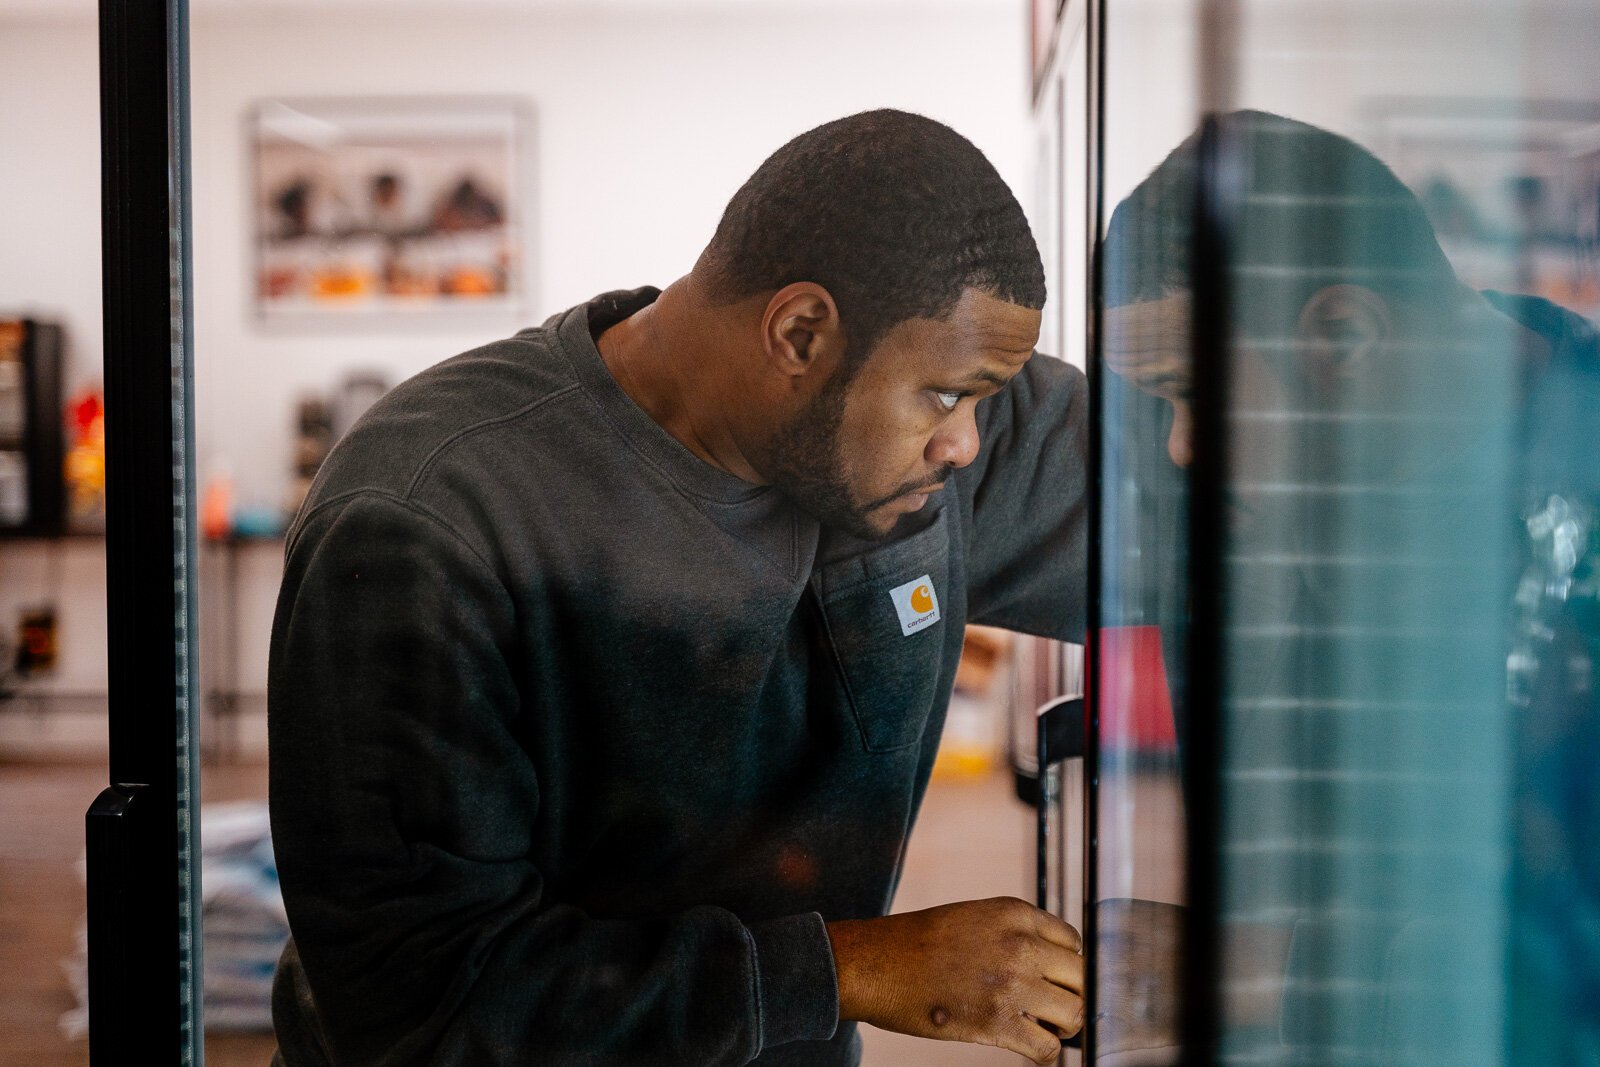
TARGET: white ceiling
(86,8)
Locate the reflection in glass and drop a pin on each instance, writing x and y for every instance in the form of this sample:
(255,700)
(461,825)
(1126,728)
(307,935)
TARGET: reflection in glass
(1411,616)
(1370,419)
(1139,667)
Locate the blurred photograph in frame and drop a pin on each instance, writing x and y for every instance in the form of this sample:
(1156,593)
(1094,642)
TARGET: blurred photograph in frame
(386,207)
(1512,189)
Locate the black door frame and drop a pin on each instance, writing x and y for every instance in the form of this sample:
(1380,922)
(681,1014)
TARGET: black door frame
(1201,738)
(143,891)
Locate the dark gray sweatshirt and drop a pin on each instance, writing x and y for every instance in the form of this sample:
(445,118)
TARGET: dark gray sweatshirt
(576,741)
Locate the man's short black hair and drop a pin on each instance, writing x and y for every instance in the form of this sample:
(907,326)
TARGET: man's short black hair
(893,213)
(1315,209)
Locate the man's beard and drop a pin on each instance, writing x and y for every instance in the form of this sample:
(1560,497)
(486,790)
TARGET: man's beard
(807,465)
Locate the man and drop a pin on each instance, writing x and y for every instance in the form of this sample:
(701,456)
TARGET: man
(1387,424)
(611,659)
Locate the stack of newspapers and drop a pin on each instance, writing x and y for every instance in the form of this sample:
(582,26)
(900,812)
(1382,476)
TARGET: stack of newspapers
(242,921)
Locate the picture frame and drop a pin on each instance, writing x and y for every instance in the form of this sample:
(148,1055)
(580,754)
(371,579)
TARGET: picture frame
(1512,189)
(370,208)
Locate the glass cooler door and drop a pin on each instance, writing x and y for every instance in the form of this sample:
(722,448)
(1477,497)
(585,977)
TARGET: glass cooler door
(1347,376)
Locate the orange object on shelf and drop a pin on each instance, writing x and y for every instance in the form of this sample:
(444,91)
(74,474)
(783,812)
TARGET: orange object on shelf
(471,281)
(216,508)
(983,651)
(84,465)
(336,283)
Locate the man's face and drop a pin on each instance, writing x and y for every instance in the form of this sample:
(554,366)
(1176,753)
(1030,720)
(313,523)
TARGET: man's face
(871,449)
(1147,343)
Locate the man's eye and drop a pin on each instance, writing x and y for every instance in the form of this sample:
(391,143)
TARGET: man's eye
(948,401)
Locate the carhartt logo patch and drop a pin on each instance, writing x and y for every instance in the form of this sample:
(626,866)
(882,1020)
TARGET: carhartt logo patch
(917,605)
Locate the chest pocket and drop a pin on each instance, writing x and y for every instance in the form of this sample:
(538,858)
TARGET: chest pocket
(887,627)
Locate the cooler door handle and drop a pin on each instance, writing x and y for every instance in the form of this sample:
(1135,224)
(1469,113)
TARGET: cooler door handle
(1062,737)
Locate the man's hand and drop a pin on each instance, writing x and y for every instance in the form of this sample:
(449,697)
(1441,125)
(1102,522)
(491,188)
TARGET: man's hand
(1139,961)
(1139,954)
(992,972)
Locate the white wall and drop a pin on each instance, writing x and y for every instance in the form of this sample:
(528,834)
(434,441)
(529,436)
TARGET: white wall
(646,123)
(1327,61)
(50,180)
(50,267)
(647,118)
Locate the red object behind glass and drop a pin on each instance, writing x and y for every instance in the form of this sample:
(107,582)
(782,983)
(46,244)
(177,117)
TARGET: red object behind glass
(1135,700)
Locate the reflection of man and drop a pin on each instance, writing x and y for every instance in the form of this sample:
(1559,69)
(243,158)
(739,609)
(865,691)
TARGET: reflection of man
(611,659)
(1386,421)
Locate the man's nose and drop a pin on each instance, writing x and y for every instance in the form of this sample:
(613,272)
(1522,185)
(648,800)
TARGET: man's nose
(956,443)
(1180,442)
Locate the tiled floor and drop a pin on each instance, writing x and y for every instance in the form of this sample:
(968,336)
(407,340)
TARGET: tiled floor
(973,840)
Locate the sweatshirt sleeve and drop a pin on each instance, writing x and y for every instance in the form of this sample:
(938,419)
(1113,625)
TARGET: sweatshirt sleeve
(404,810)
(1026,504)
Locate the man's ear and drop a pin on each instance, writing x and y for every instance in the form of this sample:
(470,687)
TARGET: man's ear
(801,331)
(1342,329)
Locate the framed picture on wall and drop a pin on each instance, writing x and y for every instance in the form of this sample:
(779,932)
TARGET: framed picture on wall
(387,207)
(1512,188)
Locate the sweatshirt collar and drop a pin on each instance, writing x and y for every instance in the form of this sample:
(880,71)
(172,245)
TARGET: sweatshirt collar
(576,329)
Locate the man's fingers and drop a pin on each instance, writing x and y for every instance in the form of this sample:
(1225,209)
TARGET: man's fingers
(1054,1005)
(1027,1038)
(1056,929)
(1061,967)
